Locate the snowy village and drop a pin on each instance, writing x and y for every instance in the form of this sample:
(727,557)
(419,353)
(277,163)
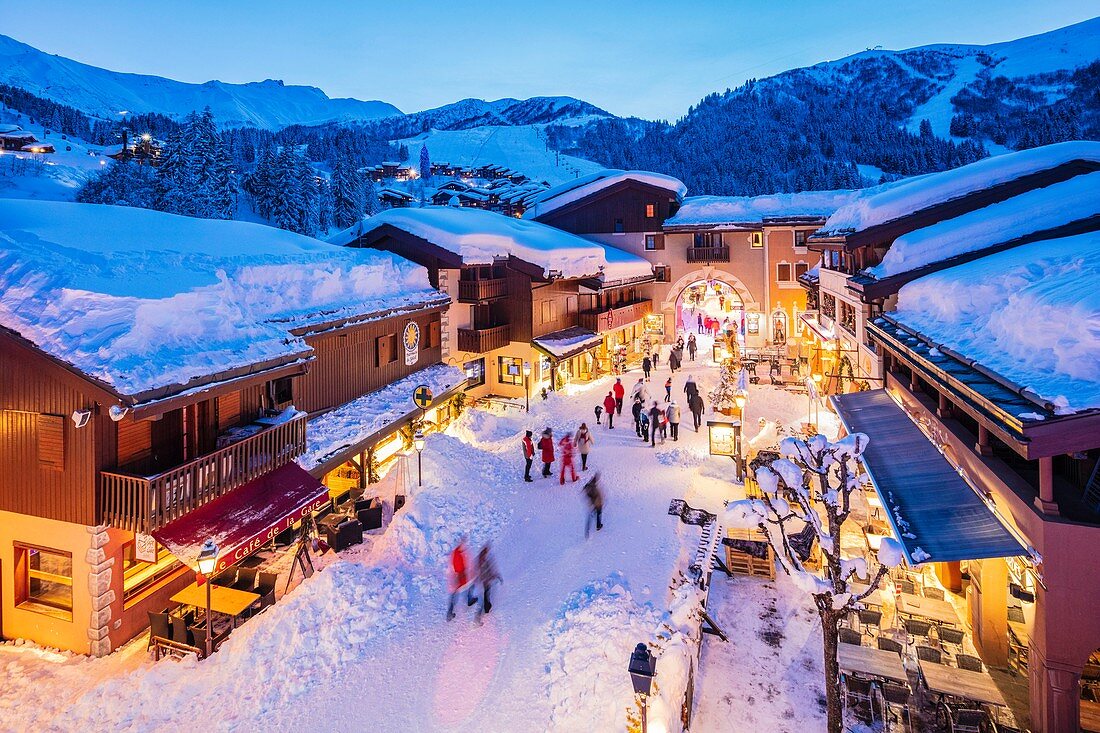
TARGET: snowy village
(526,415)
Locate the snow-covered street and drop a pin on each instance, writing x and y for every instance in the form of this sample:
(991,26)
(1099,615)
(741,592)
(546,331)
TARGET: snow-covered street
(365,643)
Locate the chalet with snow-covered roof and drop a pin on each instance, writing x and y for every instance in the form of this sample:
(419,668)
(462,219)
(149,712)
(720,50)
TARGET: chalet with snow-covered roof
(395,198)
(985,441)
(524,294)
(859,236)
(17,139)
(149,405)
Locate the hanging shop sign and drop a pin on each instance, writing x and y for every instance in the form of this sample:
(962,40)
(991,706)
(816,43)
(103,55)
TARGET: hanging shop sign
(422,396)
(411,339)
(145,548)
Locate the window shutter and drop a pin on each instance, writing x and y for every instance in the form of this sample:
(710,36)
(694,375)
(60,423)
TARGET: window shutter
(433,335)
(51,442)
(658,241)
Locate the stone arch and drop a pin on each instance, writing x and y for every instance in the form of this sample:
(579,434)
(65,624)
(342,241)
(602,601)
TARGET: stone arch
(708,273)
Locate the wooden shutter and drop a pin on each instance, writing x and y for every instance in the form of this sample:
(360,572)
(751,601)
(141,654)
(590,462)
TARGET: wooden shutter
(229,410)
(135,440)
(433,335)
(51,442)
(658,241)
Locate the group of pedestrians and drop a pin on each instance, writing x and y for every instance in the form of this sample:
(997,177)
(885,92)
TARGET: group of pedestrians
(711,325)
(570,445)
(465,579)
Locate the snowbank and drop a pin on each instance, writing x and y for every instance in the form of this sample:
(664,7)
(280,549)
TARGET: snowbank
(579,188)
(922,192)
(1031,212)
(1024,313)
(480,237)
(753,210)
(141,299)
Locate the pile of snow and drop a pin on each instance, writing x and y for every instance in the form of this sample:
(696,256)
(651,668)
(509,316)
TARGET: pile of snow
(922,192)
(585,186)
(751,211)
(355,421)
(481,237)
(1029,213)
(1024,313)
(562,343)
(141,299)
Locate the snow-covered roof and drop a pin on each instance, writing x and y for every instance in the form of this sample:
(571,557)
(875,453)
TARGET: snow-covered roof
(579,188)
(753,210)
(143,300)
(353,422)
(1024,313)
(7,127)
(1033,211)
(18,134)
(922,192)
(480,237)
(567,342)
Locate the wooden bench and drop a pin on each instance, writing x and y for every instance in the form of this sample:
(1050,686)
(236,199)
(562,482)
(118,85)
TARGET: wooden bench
(167,647)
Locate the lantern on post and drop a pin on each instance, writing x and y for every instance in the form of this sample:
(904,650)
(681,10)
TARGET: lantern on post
(207,562)
(642,668)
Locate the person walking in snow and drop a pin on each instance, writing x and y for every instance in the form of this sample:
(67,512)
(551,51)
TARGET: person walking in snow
(643,425)
(654,423)
(693,346)
(566,445)
(700,323)
(690,387)
(640,391)
(668,389)
(460,579)
(636,411)
(584,442)
(657,356)
(620,391)
(546,446)
(609,408)
(528,455)
(647,365)
(595,504)
(487,575)
(675,359)
(673,415)
(598,411)
(695,404)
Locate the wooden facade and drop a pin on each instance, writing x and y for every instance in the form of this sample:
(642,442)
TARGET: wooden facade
(628,206)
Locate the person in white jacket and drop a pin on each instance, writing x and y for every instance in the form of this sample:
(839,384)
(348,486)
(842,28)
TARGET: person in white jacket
(672,412)
(584,442)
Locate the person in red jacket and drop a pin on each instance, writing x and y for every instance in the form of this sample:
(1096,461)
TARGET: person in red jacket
(619,390)
(546,445)
(609,407)
(566,445)
(528,455)
(460,579)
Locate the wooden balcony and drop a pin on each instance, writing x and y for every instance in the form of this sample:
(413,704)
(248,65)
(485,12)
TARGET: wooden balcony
(611,319)
(482,340)
(708,254)
(144,503)
(475,291)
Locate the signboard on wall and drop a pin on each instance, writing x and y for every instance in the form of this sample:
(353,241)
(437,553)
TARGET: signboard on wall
(411,338)
(145,548)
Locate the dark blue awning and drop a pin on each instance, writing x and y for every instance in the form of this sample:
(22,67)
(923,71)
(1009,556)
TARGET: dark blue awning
(934,512)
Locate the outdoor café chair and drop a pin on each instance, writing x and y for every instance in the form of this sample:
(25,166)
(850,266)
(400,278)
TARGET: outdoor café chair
(266,588)
(915,628)
(907,586)
(850,636)
(246,579)
(199,635)
(869,618)
(929,654)
(951,636)
(889,645)
(158,627)
(936,593)
(967,720)
(226,578)
(968,661)
(857,692)
(180,634)
(895,700)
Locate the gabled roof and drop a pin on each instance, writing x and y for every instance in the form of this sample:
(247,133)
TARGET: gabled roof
(150,305)
(986,181)
(752,212)
(585,186)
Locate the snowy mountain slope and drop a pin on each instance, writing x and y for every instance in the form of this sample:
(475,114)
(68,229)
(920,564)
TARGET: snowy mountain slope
(519,147)
(267,104)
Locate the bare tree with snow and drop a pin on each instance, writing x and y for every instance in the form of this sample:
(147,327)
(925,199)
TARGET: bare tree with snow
(809,490)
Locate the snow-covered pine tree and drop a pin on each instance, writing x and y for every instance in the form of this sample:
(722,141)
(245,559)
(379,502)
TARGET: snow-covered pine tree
(723,396)
(371,204)
(285,196)
(176,175)
(425,164)
(348,193)
(816,477)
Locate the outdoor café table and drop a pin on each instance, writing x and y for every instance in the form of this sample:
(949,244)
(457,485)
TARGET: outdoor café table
(869,661)
(1090,716)
(929,609)
(875,599)
(230,601)
(960,683)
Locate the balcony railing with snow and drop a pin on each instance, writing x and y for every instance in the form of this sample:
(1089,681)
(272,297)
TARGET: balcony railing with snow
(612,318)
(472,291)
(481,340)
(708,254)
(144,503)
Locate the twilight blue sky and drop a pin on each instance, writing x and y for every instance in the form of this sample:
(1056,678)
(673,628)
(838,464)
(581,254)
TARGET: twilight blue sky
(638,57)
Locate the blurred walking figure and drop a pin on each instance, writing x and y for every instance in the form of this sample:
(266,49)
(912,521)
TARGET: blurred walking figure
(566,445)
(673,415)
(695,404)
(609,408)
(598,411)
(487,575)
(668,390)
(692,346)
(595,504)
(647,366)
(460,579)
(654,423)
(584,442)
(636,410)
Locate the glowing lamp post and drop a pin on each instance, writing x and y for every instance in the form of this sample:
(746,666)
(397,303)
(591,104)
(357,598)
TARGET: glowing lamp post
(208,560)
(741,399)
(817,377)
(643,668)
(527,384)
(418,443)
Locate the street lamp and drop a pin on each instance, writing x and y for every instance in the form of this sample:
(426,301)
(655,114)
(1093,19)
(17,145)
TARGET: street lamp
(418,443)
(208,560)
(741,399)
(817,377)
(527,384)
(643,668)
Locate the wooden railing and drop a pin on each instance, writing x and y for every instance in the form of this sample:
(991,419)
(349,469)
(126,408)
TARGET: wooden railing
(472,291)
(609,319)
(144,503)
(482,340)
(708,254)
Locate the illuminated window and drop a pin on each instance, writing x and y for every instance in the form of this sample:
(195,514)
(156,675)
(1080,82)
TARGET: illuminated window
(44,580)
(509,370)
(650,210)
(800,237)
(154,565)
(757,240)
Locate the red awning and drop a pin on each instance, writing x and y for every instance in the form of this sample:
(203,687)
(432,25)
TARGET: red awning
(245,519)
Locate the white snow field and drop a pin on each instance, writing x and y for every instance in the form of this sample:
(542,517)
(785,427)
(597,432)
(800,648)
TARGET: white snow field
(364,645)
